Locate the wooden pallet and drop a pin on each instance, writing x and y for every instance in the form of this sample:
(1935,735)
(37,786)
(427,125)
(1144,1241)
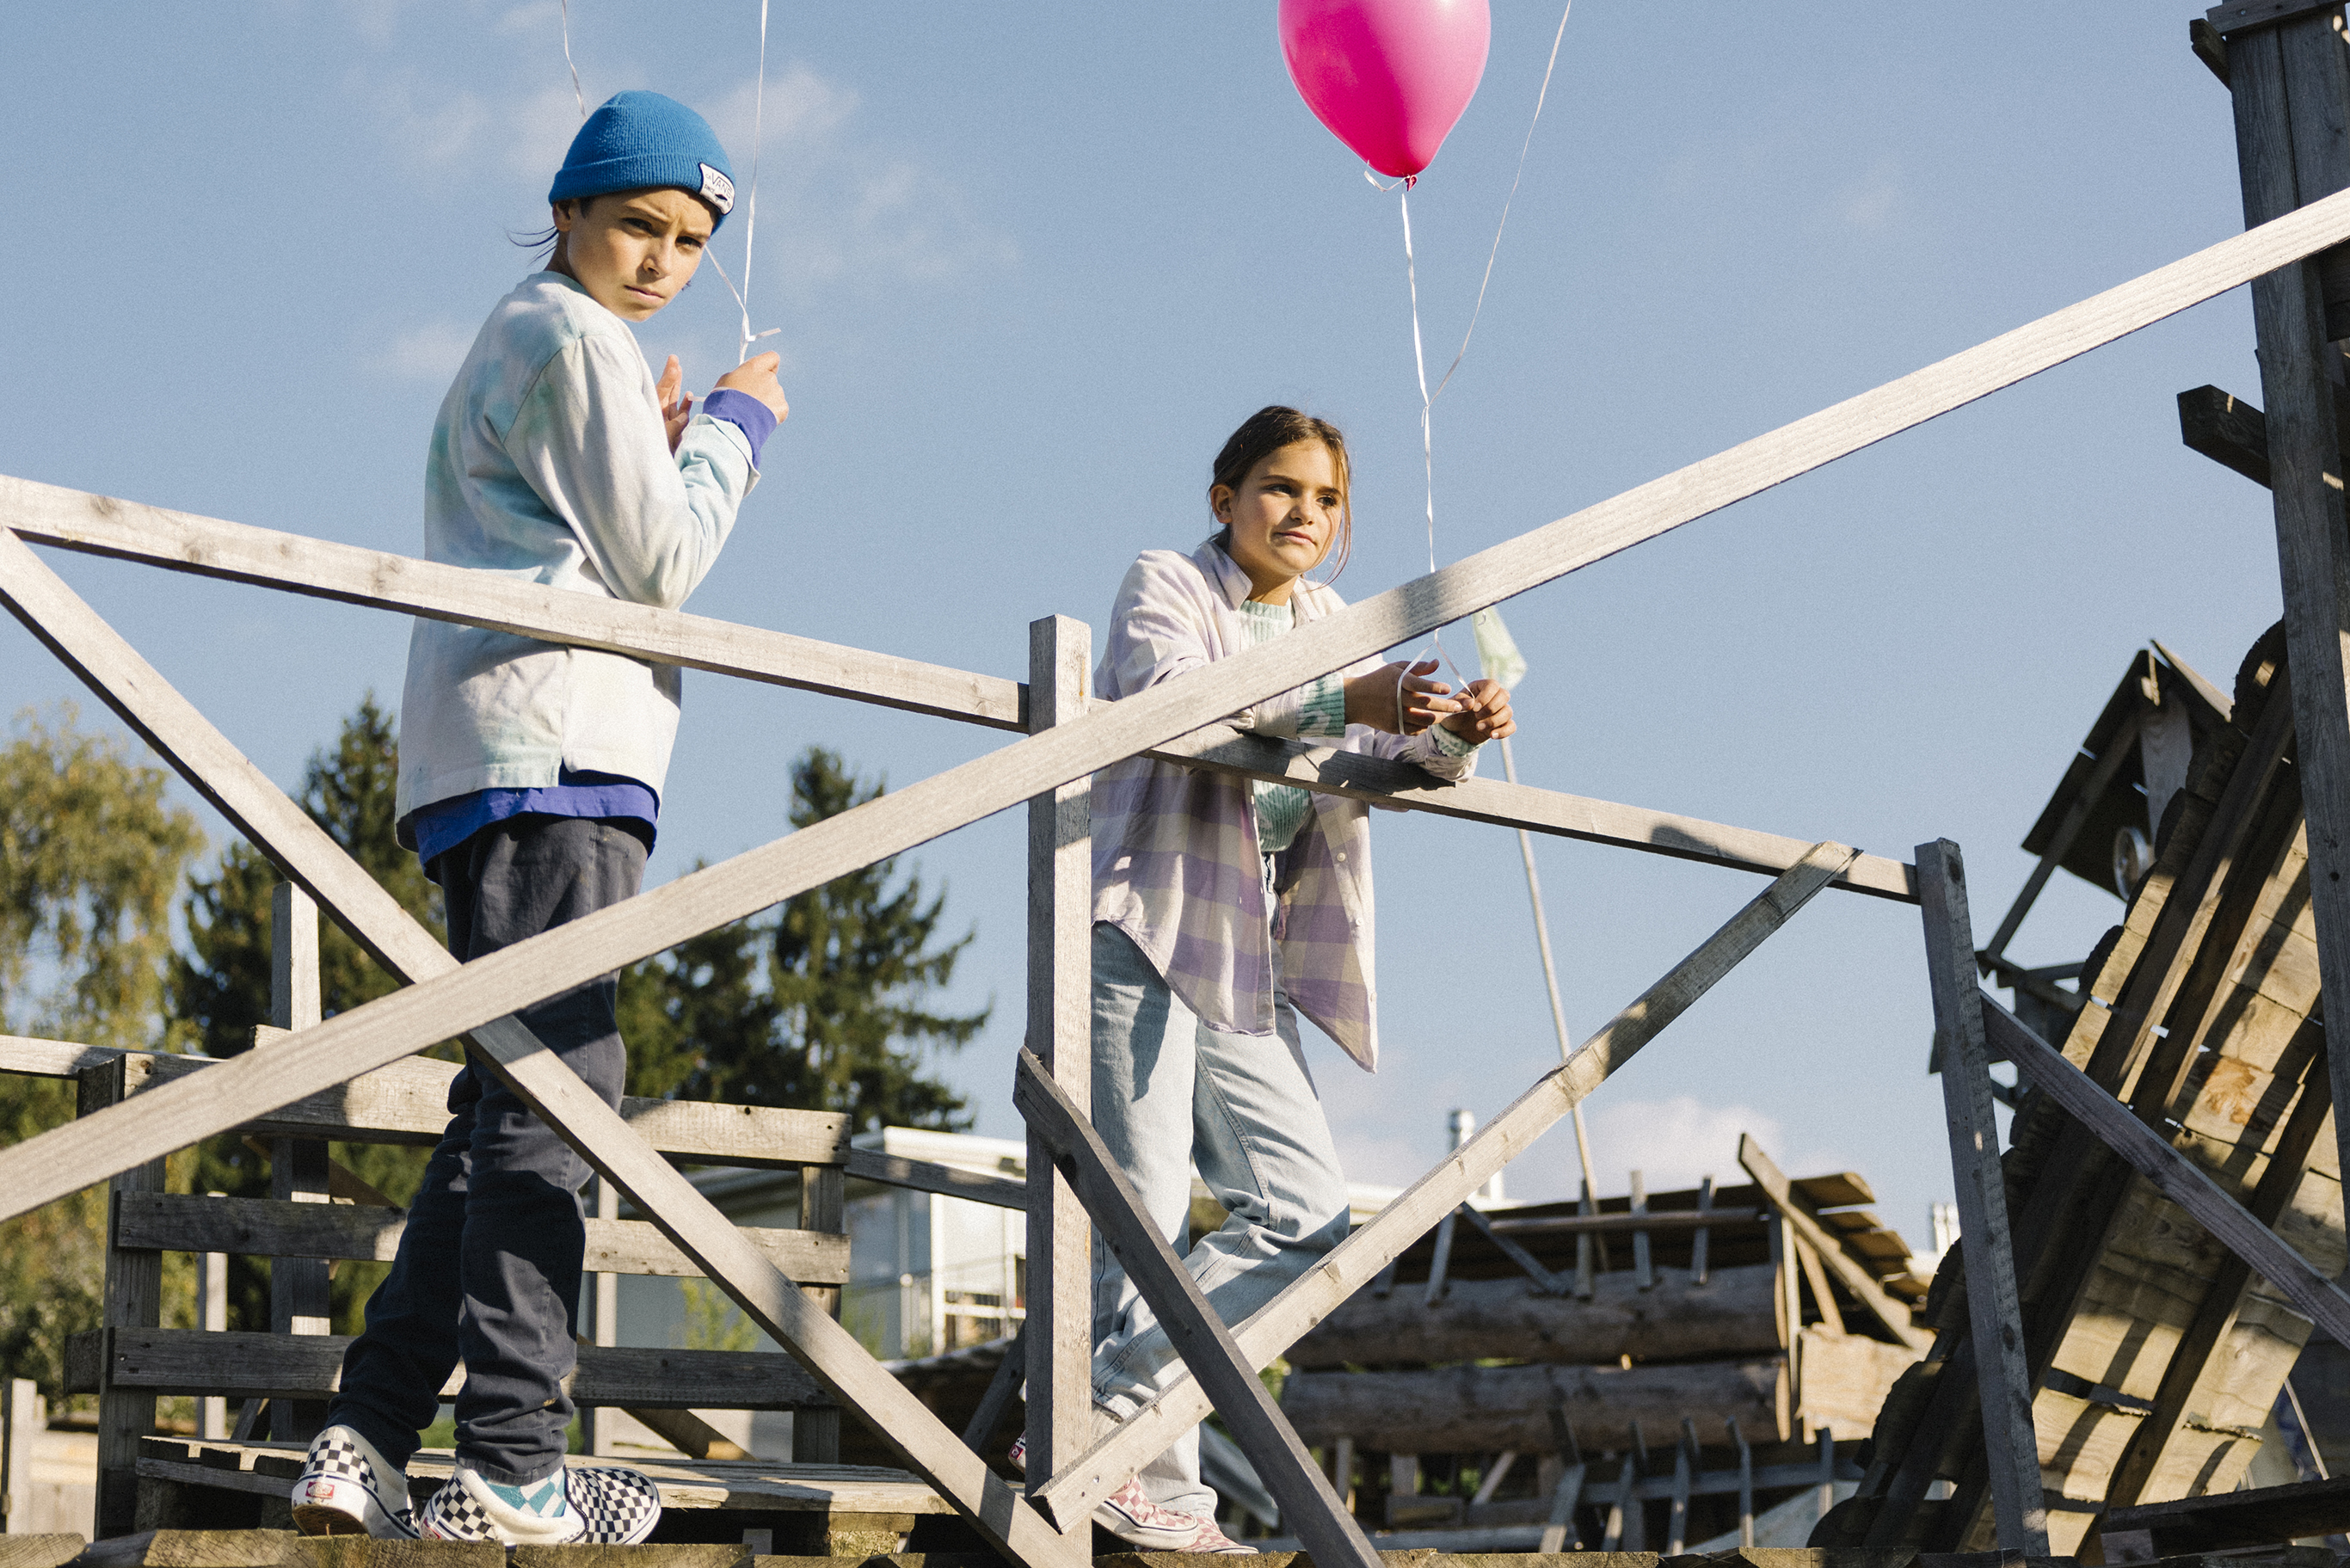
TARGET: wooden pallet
(809,1510)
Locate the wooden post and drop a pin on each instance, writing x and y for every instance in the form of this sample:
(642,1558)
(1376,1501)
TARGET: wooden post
(2291,90)
(1060,1032)
(298,1287)
(1745,1485)
(1995,1316)
(824,1207)
(212,1315)
(1643,1275)
(133,1299)
(605,1328)
(1697,1270)
(21,1421)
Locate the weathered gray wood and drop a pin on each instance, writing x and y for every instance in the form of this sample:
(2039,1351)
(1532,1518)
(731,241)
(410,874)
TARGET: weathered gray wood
(1730,1316)
(1001,1389)
(197,1549)
(1543,1280)
(2239,14)
(2118,746)
(2227,430)
(310,1366)
(1468,1408)
(262,1228)
(1644,1274)
(39,1551)
(896,1171)
(2174,1175)
(132,1298)
(1060,1033)
(320,569)
(230,1092)
(824,1211)
(1440,1260)
(1307,1504)
(1559,1529)
(1501,804)
(1994,1310)
(2293,150)
(1816,1275)
(22,1417)
(298,1301)
(558,960)
(1351,1264)
(1796,1214)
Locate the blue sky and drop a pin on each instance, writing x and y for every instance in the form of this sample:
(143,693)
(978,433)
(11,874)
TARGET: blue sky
(1031,264)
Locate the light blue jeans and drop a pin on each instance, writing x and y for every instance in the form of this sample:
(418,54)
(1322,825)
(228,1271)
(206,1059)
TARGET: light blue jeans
(1170,1094)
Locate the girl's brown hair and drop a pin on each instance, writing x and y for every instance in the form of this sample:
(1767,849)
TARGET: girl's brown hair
(1261,435)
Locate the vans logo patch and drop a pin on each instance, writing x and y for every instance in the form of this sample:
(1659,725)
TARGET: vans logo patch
(717,190)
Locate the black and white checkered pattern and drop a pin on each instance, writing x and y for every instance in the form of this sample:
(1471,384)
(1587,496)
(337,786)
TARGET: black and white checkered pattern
(618,1507)
(453,1514)
(346,1490)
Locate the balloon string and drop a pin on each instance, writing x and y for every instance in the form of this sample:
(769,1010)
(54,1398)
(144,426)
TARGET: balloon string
(751,213)
(579,96)
(1427,439)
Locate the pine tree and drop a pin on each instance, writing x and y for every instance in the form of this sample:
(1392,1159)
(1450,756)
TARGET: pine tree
(91,852)
(841,1023)
(220,987)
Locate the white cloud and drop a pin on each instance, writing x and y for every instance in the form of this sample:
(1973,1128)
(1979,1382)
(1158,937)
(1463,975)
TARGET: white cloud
(532,16)
(1674,1142)
(1869,201)
(539,132)
(430,352)
(424,126)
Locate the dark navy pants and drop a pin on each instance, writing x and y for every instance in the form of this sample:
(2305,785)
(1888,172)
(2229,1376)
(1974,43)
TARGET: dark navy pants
(488,1270)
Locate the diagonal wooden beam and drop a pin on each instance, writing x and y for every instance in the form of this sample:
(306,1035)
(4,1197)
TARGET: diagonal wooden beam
(1352,1264)
(1792,1208)
(281,830)
(124,530)
(1995,1306)
(368,1036)
(2176,1177)
(1308,1505)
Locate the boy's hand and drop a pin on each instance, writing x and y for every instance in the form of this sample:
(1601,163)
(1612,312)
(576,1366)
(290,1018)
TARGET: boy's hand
(676,403)
(1485,712)
(756,376)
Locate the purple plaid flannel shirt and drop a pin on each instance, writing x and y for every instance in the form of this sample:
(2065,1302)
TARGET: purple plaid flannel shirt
(1176,864)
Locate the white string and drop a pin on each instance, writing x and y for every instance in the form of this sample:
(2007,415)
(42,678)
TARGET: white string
(575,93)
(751,210)
(1418,356)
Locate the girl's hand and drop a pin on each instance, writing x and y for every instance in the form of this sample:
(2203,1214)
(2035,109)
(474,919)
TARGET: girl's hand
(756,376)
(676,403)
(1484,712)
(1375,701)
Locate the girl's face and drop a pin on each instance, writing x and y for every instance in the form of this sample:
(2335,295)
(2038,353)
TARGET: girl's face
(1284,518)
(633,251)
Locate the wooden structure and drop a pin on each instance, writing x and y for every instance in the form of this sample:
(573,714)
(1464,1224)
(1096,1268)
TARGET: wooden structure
(1722,1329)
(1072,1181)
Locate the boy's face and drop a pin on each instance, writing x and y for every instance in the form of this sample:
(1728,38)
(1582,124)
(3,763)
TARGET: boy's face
(632,250)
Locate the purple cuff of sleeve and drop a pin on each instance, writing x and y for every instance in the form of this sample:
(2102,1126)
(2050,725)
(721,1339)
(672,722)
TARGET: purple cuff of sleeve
(745,414)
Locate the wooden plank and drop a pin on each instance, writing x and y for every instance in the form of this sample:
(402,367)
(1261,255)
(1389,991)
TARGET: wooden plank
(132,1298)
(231,1092)
(2178,1179)
(1355,1261)
(1994,1309)
(244,1365)
(1559,1529)
(2292,150)
(1468,1408)
(1732,1315)
(1308,1505)
(1060,1033)
(320,569)
(50,1058)
(576,953)
(1381,782)
(261,1227)
(896,1171)
(2258,1516)
(1800,1219)
(1815,1274)
(1544,1281)
(39,1551)
(198,1548)
(2227,430)
(298,1288)
(2238,16)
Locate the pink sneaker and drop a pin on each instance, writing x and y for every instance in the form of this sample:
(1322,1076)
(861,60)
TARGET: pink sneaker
(1134,1518)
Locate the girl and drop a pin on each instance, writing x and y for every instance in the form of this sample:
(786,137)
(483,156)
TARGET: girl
(530,780)
(1222,908)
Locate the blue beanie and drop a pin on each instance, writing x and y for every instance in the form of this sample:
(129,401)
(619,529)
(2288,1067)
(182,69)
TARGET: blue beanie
(640,139)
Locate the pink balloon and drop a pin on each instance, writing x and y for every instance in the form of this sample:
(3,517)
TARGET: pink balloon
(1387,77)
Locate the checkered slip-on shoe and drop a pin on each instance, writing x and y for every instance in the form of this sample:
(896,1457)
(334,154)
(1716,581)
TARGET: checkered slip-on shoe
(349,1489)
(617,1507)
(1143,1524)
(471,1507)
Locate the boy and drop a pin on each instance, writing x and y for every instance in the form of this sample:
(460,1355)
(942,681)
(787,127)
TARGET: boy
(530,780)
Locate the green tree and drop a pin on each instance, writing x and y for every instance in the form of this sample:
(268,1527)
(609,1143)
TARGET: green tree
(219,986)
(90,853)
(823,1006)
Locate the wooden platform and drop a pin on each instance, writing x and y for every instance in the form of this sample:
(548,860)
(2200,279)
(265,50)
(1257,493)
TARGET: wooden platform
(809,1510)
(282,1549)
